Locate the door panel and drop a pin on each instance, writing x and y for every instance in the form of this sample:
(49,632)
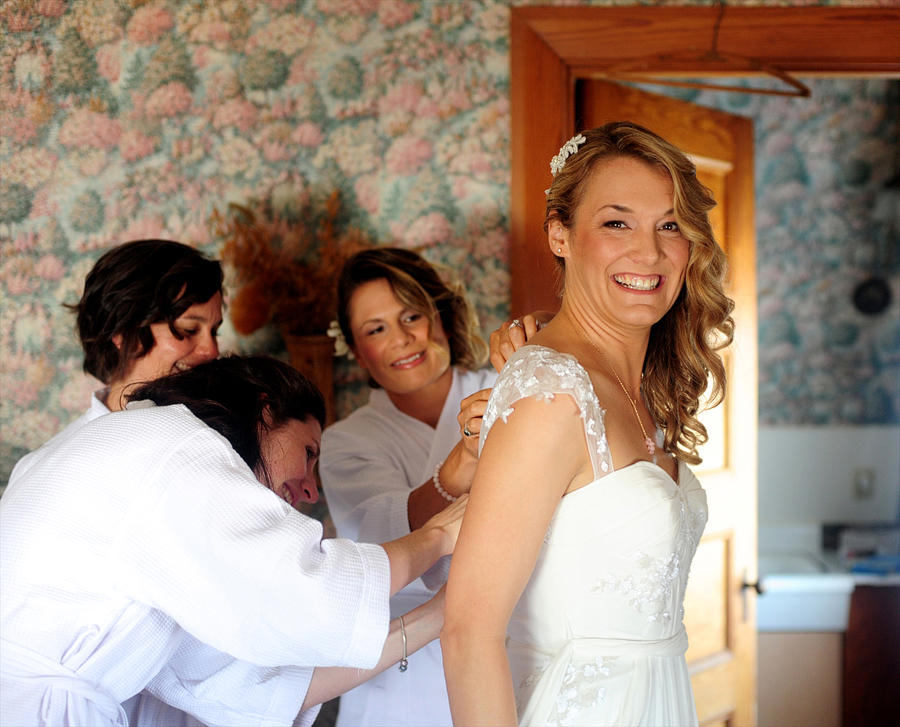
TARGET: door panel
(706,601)
(721,626)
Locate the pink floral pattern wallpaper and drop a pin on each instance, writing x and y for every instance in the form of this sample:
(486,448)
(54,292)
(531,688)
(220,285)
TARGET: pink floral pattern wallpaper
(127,119)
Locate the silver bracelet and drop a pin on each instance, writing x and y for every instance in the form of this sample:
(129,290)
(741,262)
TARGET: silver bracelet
(437,483)
(403,662)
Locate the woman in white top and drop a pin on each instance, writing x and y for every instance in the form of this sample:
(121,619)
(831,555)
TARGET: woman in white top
(400,459)
(564,602)
(157,549)
(149,308)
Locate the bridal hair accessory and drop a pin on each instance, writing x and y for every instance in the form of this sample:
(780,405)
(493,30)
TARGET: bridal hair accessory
(649,443)
(570,147)
(340,343)
(404,664)
(437,483)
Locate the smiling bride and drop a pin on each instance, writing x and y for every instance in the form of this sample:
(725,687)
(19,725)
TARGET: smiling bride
(564,603)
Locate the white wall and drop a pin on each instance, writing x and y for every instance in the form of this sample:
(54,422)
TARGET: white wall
(806,474)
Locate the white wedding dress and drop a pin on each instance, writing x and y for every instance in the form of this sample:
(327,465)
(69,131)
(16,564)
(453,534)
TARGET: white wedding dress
(597,636)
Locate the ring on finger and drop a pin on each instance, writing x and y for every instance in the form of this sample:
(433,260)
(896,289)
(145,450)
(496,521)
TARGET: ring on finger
(466,431)
(516,322)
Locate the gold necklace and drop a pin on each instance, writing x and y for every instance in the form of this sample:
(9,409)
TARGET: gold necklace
(650,444)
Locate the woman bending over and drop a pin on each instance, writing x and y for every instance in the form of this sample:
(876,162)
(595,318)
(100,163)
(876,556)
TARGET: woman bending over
(155,549)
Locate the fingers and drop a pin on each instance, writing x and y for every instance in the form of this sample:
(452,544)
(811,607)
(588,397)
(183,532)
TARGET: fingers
(471,431)
(543,317)
(530,326)
(512,335)
(473,407)
(471,411)
(507,339)
(449,521)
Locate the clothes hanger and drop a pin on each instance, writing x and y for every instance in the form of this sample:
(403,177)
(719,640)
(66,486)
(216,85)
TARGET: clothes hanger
(644,69)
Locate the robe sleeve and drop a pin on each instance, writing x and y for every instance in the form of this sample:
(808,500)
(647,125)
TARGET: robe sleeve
(241,571)
(366,483)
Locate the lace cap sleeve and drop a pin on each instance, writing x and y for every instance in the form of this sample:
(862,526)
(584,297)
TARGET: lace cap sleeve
(541,373)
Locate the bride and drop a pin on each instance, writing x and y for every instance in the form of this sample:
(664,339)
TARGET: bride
(564,604)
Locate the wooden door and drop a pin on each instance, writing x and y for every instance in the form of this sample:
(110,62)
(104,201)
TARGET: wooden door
(551,48)
(719,613)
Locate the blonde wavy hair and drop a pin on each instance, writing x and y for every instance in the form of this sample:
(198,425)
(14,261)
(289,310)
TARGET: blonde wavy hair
(417,284)
(682,356)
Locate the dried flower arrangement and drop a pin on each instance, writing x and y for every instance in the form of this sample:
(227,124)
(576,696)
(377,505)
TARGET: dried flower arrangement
(284,272)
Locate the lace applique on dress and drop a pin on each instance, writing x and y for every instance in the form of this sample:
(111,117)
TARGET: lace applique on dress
(582,687)
(529,679)
(693,522)
(653,589)
(541,373)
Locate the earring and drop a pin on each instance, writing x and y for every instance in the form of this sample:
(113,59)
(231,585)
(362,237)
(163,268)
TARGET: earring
(559,250)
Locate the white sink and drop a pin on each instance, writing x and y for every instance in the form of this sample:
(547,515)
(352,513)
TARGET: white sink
(801,593)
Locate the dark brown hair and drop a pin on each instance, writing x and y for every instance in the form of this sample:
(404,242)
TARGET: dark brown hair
(241,397)
(682,356)
(132,286)
(417,285)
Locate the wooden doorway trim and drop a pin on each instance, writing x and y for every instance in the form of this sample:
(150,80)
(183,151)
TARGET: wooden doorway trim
(552,47)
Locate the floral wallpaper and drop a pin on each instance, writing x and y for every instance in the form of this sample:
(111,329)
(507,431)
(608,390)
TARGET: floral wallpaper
(126,119)
(826,222)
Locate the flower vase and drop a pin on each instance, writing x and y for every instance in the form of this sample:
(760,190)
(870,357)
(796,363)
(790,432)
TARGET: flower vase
(313,356)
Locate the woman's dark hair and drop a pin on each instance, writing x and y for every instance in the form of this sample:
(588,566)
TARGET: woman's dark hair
(132,286)
(417,285)
(241,397)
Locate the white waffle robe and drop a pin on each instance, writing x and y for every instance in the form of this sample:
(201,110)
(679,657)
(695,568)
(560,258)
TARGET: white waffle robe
(141,553)
(97,409)
(370,463)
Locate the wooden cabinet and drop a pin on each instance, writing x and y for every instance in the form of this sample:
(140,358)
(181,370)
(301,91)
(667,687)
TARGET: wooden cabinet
(872,658)
(800,678)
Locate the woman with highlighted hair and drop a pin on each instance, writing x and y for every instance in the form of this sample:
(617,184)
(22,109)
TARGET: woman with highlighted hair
(564,601)
(411,450)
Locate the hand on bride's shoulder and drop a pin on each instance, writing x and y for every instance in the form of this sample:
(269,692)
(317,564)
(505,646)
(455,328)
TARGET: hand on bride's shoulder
(513,334)
(471,413)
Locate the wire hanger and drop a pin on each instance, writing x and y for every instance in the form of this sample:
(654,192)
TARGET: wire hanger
(642,69)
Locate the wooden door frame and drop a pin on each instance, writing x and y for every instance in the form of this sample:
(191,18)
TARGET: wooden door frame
(552,47)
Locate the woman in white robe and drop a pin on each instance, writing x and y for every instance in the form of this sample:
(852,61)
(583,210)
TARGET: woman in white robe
(415,336)
(145,552)
(149,308)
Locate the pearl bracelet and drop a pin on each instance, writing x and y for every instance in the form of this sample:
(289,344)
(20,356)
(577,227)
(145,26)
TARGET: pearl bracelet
(437,483)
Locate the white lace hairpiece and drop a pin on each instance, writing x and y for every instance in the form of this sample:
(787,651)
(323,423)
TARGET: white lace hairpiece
(340,343)
(568,149)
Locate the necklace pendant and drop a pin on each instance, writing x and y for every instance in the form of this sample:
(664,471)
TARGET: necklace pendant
(651,447)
